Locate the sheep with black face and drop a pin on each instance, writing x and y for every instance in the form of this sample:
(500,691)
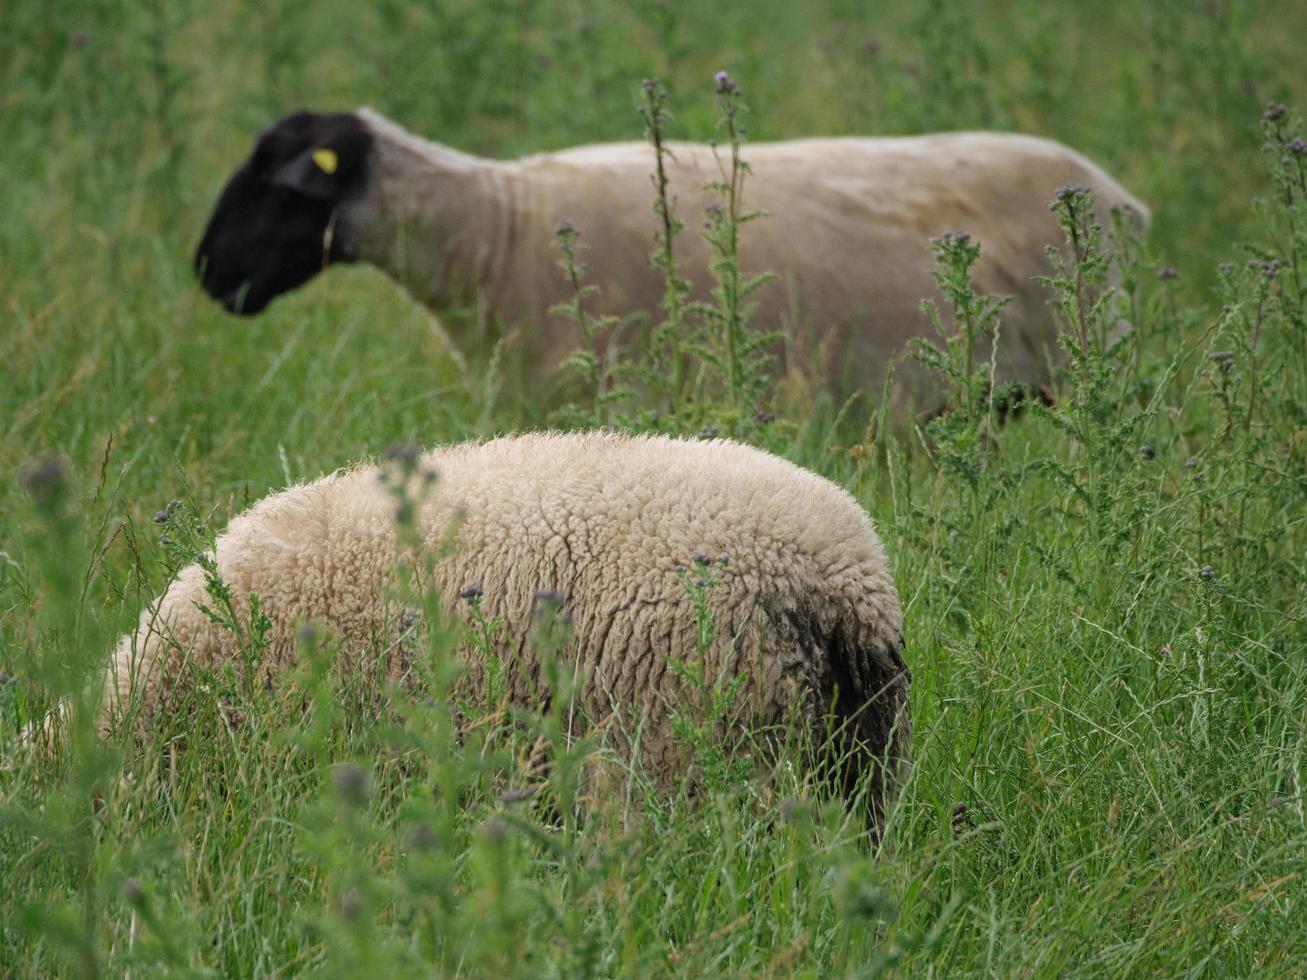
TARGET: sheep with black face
(272,228)
(847,234)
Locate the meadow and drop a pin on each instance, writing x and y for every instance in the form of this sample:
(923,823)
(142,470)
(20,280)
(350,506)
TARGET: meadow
(1105,599)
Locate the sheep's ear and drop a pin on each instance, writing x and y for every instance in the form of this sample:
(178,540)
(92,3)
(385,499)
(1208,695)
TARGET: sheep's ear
(330,160)
(316,172)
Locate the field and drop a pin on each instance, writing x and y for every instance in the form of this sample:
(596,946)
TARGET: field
(1105,599)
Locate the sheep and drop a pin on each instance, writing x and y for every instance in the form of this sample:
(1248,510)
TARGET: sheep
(805,610)
(847,234)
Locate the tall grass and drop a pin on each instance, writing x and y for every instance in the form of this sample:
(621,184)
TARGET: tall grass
(1104,600)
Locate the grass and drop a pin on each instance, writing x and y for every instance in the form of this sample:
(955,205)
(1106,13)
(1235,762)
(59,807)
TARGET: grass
(1104,600)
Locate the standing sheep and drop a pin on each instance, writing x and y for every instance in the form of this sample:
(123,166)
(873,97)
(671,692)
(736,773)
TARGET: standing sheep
(805,611)
(848,231)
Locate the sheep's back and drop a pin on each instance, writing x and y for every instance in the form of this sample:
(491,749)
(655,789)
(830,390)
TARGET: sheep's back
(612,524)
(803,604)
(848,234)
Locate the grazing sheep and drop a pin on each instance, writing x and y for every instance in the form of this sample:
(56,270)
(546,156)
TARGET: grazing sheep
(805,609)
(848,232)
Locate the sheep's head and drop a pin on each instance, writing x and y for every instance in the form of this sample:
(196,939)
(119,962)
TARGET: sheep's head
(274,226)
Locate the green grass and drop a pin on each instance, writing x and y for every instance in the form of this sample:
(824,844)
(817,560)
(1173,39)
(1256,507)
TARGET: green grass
(1105,606)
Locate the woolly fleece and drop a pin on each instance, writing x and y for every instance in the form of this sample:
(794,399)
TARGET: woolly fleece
(847,232)
(806,609)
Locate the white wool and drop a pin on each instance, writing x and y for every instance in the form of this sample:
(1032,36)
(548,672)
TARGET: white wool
(806,610)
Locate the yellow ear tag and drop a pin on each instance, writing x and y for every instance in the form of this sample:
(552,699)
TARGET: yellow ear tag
(325,159)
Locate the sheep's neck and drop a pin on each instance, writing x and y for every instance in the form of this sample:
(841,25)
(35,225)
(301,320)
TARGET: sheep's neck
(430,218)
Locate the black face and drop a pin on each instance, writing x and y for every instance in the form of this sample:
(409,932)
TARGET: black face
(268,233)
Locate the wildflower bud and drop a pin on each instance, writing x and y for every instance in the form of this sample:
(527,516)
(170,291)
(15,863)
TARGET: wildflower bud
(564,229)
(133,892)
(351,903)
(1274,112)
(725,84)
(471,592)
(161,517)
(1191,463)
(408,621)
(402,452)
(794,811)
(46,480)
(1297,146)
(648,84)
(699,558)
(1070,192)
(961,818)
(1223,359)
(422,838)
(1166,272)
(709,431)
(1207,573)
(1267,268)
(352,784)
(861,899)
(761,416)
(549,602)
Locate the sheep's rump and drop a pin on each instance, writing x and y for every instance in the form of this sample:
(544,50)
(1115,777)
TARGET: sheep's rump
(805,613)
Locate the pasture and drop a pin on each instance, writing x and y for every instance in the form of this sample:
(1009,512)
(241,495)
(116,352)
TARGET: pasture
(1104,598)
